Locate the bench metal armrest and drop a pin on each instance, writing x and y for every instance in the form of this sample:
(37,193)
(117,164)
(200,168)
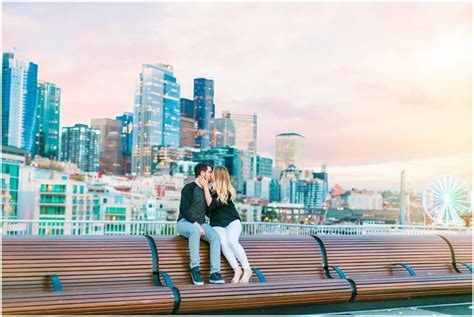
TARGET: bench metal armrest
(260,275)
(407,267)
(467,265)
(168,281)
(57,286)
(338,270)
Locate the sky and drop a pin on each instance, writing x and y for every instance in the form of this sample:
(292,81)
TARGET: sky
(375,88)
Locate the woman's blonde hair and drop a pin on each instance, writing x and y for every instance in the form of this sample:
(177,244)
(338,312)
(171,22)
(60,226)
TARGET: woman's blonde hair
(223,185)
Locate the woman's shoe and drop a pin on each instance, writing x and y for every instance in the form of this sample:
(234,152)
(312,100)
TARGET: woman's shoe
(247,275)
(237,275)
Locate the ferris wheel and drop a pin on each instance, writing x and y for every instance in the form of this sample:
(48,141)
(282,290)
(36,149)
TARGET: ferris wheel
(446,199)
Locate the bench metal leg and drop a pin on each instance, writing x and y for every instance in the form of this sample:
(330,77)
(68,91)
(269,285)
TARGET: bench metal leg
(57,287)
(407,267)
(260,275)
(467,265)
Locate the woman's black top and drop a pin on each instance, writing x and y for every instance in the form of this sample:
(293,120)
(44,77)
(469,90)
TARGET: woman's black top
(221,215)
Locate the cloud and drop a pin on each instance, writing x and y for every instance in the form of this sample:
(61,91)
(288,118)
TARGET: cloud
(366,83)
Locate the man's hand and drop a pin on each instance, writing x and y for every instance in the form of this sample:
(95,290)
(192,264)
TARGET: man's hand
(201,230)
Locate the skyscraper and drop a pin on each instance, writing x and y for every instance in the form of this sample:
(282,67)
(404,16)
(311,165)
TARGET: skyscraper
(264,166)
(289,151)
(19,80)
(310,193)
(127,132)
(245,130)
(188,130)
(222,132)
(127,141)
(229,157)
(323,177)
(81,145)
(110,154)
(203,103)
(48,103)
(288,184)
(156,114)
(188,108)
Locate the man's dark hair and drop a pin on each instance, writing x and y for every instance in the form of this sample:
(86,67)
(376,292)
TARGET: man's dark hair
(201,167)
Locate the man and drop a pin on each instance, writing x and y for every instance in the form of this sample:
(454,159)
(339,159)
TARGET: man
(192,225)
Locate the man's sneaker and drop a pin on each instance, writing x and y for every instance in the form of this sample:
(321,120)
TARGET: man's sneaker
(216,278)
(196,276)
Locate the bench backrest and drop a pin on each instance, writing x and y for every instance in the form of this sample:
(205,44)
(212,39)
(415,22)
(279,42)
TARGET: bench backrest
(371,256)
(277,257)
(81,262)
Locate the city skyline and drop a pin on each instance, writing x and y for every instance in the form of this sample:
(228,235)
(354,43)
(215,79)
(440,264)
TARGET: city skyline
(404,79)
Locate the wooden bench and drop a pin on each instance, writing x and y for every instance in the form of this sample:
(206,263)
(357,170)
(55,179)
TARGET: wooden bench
(81,273)
(128,274)
(290,267)
(393,266)
(151,300)
(277,257)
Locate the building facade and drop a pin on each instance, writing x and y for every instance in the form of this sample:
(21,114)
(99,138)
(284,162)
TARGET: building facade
(188,132)
(110,155)
(289,151)
(127,141)
(222,132)
(12,161)
(47,130)
(80,144)
(19,86)
(188,108)
(203,105)
(156,114)
(245,130)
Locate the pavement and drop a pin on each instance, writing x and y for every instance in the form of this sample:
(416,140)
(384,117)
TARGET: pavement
(463,309)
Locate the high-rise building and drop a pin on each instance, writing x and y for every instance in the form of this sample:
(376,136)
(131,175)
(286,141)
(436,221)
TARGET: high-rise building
(80,144)
(289,184)
(258,187)
(323,177)
(188,131)
(203,103)
(188,108)
(310,193)
(289,151)
(12,160)
(229,157)
(127,132)
(127,141)
(222,132)
(156,115)
(48,103)
(245,130)
(264,166)
(164,159)
(249,170)
(110,145)
(19,85)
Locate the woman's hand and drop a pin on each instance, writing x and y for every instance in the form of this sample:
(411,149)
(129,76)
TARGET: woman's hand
(204,182)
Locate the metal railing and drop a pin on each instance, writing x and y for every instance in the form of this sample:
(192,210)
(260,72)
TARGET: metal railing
(104,227)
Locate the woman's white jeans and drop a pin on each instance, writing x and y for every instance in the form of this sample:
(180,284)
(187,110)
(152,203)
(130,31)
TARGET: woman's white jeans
(230,245)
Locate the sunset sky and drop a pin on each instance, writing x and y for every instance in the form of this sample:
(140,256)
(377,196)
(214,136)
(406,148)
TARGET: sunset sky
(374,88)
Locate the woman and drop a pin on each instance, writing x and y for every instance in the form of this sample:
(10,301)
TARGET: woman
(225,219)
